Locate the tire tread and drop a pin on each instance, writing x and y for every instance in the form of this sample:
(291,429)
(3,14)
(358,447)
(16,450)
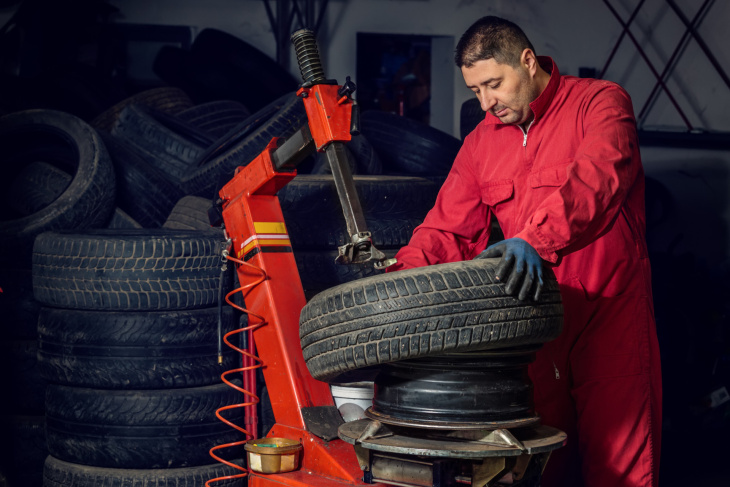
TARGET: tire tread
(456,307)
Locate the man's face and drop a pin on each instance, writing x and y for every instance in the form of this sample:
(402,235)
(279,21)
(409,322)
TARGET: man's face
(504,91)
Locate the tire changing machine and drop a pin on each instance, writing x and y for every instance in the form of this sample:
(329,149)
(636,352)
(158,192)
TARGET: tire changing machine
(461,419)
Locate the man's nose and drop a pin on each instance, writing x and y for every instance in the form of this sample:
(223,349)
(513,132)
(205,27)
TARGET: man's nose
(487,101)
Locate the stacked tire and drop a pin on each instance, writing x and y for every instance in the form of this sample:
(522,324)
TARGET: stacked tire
(393,206)
(138,165)
(219,66)
(409,147)
(55,174)
(128,344)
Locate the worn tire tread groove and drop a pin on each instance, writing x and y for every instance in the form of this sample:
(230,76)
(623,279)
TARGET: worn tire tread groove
(432,310)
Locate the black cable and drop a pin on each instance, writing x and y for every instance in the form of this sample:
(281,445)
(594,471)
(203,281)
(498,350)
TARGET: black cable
(220,314)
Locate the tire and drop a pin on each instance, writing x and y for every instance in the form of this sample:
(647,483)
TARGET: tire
(280,118)
(121,219)
(248,127)
(233,69)
(215,118)
(409,147)
(314,197)
(71,145)
(141,429)
(133,350)
(318,271)
(190,213)
(331,234)
(320,164)
(360,153)
(171,146)
(308,229)
(133,270)
(445,308)
(38,185)
(471,115)
(367,159)
(314,241)
(58,473)
(393,207)
(143,192)
(166,99)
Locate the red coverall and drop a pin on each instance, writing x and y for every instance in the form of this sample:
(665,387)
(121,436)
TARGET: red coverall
(573,188)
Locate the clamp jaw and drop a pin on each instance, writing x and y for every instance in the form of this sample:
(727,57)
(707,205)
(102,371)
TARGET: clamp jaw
(361,249)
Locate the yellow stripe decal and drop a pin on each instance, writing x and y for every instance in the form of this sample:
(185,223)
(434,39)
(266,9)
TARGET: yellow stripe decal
(267,233)
(269,227)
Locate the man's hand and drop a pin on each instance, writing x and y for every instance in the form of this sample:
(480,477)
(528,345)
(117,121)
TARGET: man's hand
(520,267)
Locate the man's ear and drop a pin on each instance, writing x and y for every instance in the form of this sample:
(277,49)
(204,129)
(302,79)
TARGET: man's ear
(529,60)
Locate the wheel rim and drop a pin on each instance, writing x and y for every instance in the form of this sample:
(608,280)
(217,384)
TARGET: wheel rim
(488,389)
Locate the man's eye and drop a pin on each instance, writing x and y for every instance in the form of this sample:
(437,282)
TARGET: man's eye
(495,86)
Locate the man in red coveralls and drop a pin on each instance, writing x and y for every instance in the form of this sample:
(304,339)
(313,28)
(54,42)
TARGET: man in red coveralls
(557,162)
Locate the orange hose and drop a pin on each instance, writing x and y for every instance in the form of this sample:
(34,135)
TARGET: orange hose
(244,355)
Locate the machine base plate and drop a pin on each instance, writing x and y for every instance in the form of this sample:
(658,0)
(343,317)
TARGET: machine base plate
(411,441)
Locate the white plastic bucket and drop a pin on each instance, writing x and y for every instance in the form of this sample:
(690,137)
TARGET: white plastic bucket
(358,393)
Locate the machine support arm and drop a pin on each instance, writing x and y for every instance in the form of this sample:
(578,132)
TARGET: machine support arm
(292,152)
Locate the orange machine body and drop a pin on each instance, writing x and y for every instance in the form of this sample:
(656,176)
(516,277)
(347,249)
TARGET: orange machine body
(255,224)
(329,114)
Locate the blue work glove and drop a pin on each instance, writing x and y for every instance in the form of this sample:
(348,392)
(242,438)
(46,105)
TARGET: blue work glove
(520,267)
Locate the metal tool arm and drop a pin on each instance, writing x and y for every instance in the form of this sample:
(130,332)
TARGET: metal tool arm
(333,117)
(360,248)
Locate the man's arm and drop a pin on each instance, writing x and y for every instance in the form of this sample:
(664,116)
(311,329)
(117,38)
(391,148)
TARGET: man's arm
(598,181)
(457,225)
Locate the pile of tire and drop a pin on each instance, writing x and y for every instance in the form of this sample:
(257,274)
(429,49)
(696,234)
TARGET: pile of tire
(128,346)
(164,159)
(55,174)
(155,161)
(219,66)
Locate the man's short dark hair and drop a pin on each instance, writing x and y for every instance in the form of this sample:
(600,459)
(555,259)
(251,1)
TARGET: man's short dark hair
(492,38)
